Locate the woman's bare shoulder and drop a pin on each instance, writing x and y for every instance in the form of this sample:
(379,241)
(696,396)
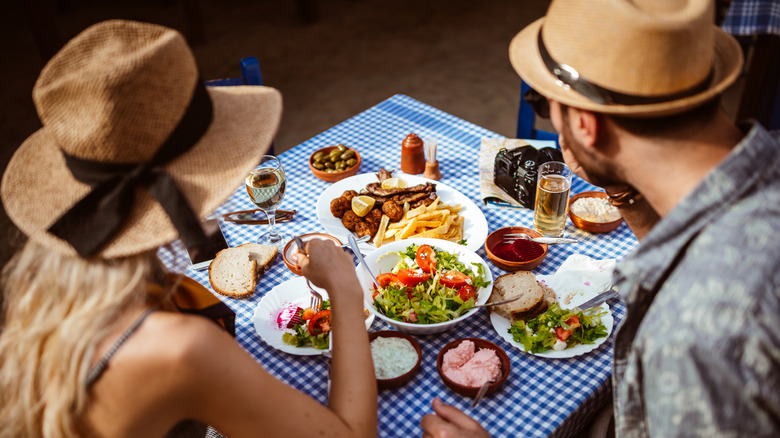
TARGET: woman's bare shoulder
(175,337)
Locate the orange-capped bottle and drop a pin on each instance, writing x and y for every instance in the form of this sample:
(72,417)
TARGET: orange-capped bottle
(412,155)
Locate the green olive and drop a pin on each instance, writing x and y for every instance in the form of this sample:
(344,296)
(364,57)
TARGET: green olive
(341,165)
(347,155)
(334,153)
(351,162)
(330,164)
(341,148)
(318,156)
(318,166)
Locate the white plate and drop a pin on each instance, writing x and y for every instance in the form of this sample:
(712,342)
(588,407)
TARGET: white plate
(280,297)
(502,325)
(474,226)
(380,262)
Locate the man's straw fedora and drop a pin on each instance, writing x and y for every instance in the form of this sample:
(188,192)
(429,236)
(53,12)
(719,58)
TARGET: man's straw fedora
(644,58)
(111,99)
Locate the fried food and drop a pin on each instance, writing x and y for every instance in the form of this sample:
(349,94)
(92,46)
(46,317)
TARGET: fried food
(349,194)
(399,212)
(363,228)
(374,216)
(393,210)
(350,220)
(339,206)
(436,220)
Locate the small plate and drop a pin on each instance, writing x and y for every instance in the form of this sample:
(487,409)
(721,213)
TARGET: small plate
(502,325)
(291,292)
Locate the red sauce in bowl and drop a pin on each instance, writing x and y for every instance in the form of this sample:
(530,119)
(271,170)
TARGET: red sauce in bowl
(518,251)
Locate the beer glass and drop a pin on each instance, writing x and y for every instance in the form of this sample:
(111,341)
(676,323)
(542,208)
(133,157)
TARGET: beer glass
(553,183)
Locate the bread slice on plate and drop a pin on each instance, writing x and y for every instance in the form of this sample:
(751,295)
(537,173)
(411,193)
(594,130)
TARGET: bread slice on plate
(535,297)
(234,272)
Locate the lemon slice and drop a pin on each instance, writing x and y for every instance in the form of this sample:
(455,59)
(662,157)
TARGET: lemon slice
(394,183)
(361,205)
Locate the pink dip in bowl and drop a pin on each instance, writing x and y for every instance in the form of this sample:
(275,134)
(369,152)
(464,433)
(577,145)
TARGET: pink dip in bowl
(466,367)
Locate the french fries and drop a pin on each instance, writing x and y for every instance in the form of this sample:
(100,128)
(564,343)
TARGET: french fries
(380,234)
(437,220)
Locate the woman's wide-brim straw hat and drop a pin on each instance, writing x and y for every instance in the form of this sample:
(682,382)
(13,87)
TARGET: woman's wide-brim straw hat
(114,95)
(644,58)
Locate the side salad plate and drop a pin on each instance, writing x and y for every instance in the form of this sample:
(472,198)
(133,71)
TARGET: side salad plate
(502,325)
(475,225)
(270,327)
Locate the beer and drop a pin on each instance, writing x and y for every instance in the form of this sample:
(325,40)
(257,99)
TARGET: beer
(552,198)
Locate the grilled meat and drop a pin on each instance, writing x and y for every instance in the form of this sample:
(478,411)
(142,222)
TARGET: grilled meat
(384,174)
(376,189)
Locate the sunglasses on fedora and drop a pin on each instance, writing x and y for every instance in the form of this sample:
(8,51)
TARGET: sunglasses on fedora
(538,103)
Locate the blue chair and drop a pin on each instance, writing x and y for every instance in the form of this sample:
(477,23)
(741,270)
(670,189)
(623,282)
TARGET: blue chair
(250,75)
(526,119)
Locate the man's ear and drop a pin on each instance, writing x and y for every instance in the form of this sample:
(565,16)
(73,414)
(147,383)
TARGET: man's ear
(586,126)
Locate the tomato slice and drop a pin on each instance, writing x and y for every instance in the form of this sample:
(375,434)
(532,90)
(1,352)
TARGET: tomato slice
(409,277)
(466,292)
(386,279)
(454,279)
(426,258)
(319,323)
(573,322)
(562,334)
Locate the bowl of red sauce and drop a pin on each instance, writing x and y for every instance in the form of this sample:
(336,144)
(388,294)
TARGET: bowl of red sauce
(519,255)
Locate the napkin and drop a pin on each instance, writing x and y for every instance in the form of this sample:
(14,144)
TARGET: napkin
(579,278)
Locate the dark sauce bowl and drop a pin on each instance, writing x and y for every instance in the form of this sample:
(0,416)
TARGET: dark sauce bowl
(497,237)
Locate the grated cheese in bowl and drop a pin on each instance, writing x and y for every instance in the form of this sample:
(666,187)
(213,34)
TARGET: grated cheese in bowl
(594,209)
(393,357)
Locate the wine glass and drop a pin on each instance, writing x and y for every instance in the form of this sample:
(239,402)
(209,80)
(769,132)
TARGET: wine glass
(265,185)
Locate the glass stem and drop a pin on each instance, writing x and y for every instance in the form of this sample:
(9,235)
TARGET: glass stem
(273,236)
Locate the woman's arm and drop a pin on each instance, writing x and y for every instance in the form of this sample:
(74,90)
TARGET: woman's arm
(220,384)
(353,393)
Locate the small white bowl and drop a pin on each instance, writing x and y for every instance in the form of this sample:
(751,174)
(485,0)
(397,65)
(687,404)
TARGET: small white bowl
(379,263)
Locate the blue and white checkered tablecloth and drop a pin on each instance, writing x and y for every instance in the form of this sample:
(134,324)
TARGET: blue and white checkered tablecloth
(752,17)
(542,396)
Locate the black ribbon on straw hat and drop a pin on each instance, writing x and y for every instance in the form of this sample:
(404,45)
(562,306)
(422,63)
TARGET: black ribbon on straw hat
(95,219)
(568,77)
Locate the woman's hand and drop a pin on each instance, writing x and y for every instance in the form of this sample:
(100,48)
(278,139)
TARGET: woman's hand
(449,422)
(325,264)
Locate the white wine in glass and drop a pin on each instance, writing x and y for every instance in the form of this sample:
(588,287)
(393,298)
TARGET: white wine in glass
(265,186)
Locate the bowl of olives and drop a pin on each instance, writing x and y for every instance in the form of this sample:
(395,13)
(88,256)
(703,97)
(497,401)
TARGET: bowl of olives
(334,163)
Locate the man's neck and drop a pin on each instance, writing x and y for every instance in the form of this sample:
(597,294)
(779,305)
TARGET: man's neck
(666,170)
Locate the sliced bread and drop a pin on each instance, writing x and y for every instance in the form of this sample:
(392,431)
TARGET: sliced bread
(535,298)
(234,272)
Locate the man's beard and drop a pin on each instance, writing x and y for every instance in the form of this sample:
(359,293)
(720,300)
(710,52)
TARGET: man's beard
(599,173)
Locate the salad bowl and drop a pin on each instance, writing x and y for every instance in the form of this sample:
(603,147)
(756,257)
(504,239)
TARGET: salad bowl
(386,257)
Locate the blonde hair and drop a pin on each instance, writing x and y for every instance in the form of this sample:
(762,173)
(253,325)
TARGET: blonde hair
(57,308)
